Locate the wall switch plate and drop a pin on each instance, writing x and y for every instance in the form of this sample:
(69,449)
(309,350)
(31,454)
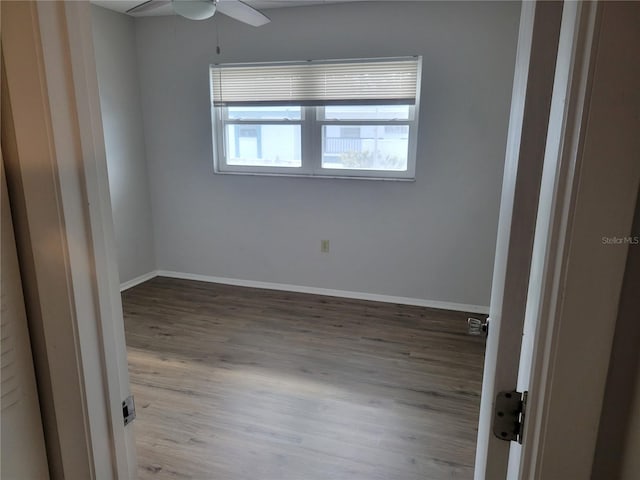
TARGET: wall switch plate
(324,246)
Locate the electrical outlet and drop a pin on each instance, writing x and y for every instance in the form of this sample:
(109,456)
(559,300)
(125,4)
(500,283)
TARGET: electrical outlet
(324,246)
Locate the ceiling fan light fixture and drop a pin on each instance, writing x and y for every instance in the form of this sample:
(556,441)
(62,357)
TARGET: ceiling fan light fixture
(194,9)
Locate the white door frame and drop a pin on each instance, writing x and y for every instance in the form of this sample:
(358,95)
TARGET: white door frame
(528,124)
(58,180)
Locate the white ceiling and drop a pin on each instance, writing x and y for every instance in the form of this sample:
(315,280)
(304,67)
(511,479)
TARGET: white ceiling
(123,5)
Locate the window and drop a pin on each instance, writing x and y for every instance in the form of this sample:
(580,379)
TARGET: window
(349,118)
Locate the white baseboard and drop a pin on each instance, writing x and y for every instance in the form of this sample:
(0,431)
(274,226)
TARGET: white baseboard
(138,280)
(461,307)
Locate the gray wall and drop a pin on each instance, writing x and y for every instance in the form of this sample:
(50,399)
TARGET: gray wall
(433,239)
(114,40)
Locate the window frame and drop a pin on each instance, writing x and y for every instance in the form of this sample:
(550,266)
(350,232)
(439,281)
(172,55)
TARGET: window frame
(409,174)
(220,147)
(312,123)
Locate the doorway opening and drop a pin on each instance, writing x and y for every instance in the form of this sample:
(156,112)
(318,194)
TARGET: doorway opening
(221,273)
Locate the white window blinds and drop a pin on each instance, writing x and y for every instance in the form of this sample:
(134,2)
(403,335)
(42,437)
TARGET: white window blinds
(315,83)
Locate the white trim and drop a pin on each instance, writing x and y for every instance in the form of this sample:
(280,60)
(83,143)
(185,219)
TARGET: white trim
(311,127)
(75,110)
(556,208)
(102,243)
(138,280)
(374,297)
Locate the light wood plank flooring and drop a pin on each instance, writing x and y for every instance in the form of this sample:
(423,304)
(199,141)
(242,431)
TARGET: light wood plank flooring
(235,383)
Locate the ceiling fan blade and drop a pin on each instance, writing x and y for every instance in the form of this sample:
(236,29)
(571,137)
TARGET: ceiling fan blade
(148,5)
(242,12)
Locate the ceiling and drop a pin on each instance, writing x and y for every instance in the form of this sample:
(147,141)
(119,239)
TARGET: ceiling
(123,5)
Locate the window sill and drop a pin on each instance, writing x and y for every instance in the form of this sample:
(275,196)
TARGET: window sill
(309,175)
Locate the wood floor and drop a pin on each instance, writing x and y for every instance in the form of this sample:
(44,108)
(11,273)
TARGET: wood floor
(235,383)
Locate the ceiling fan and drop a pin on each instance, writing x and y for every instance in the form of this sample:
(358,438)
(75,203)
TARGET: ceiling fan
(203,9)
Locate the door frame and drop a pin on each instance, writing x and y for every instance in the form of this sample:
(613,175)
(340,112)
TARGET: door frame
(532,91)
(589,189)
(57,176)
(85,283)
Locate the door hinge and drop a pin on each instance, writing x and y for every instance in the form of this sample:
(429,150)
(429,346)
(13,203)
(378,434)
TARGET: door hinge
(509,414)
(128,410)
